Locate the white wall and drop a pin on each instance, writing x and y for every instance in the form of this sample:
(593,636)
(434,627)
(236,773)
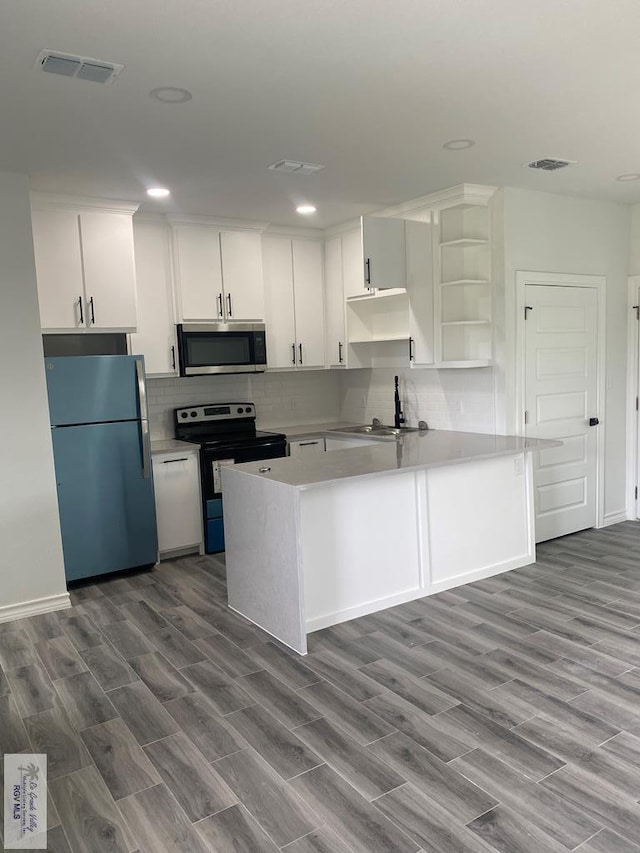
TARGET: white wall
(552,233)
(445,399)
(31,563)
(281,398)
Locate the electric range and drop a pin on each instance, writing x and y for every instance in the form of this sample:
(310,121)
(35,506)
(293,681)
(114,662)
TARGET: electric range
(226,433)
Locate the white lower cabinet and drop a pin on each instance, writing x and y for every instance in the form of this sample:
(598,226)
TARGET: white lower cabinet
(306,446)
(176,478)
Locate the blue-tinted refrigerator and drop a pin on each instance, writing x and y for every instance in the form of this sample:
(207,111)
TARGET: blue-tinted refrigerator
(102,453)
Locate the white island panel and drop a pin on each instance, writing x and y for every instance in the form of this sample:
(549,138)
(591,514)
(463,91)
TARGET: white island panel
(480,519)
(361,547)
(264,581)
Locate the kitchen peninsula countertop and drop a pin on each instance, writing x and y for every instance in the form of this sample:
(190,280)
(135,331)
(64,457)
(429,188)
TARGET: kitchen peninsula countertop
(410,452)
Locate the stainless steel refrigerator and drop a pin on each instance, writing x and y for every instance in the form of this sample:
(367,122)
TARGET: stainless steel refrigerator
(102,455)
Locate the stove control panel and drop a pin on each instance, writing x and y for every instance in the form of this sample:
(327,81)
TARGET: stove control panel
(215,412)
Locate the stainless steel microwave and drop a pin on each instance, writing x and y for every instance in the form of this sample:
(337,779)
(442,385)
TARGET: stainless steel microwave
(206,348)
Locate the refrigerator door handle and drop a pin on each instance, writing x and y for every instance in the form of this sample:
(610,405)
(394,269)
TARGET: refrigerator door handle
(144,421)
(142,391)
(146,449)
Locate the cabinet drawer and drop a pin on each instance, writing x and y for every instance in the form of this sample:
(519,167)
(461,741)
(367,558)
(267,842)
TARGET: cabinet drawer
(306,446)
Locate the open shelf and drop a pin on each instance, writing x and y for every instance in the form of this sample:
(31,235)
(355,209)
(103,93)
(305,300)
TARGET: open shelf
(379,339)
(464,223)
(464,281)
(465,241)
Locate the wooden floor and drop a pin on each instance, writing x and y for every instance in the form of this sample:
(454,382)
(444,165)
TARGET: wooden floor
(504,715)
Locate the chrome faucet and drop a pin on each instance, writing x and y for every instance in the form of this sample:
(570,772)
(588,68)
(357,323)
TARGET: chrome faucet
(398,418)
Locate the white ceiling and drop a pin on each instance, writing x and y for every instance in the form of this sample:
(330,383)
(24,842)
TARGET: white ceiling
(370,88)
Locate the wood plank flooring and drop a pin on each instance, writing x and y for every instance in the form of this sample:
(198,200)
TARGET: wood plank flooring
(499,717)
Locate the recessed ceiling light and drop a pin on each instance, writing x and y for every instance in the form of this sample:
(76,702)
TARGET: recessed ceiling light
(171,95)
(305,208)
(158,192)
(632,176)
(459,144)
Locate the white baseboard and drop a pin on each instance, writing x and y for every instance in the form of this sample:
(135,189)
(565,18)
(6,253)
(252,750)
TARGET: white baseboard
(615,517)
(35,607)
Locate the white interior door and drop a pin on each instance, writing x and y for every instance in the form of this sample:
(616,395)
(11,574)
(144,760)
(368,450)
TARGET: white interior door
(561,334)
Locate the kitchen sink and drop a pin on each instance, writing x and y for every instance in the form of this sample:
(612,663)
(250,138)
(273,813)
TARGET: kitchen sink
(381,430)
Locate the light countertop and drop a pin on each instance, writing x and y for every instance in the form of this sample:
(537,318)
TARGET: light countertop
(172,445)
(410,452)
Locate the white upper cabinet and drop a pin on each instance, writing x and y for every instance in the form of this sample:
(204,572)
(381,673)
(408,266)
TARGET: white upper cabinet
(218,274)
(156,335)
(109,269)
(198,272)
(420,291)
(56,242)
(279,307)
(352,264)
(84,267)
(384,252)
(293,303)
(308,302)
(242,277)
(336,349)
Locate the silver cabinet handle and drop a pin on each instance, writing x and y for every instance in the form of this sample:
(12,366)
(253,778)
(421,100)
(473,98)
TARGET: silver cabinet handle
(93,316)
(264,470)
(219,305)
(81,311)
(170,461)
(229,305)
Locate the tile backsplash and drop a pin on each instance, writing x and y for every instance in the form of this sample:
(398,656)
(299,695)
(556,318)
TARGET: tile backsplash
(280,398)
(445,399)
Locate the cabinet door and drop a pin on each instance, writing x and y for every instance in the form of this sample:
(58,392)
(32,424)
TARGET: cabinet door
(178,507)
(352,265)
(384,252)
(278,291)
(198,272)
(242,275)
(109,270)
(308,302)
(306,446)
(156,335)
(56,245)
(420,290)
(336,339)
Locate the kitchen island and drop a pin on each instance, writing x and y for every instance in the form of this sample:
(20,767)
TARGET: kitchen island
(311,542)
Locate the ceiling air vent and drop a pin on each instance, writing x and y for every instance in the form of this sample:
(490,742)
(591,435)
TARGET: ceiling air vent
(80,67)
(550,164)
(295,167)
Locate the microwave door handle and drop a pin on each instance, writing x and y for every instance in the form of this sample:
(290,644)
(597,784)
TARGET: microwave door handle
(144,421)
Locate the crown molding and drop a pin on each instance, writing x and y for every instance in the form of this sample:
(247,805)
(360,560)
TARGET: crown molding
(177,220)
(479,194)
(51,201)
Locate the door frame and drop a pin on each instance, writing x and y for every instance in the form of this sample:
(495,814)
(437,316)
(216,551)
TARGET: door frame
(597,283)
(633,391)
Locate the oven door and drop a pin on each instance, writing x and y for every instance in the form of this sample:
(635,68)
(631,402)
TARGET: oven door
(221,348)
(211,462)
